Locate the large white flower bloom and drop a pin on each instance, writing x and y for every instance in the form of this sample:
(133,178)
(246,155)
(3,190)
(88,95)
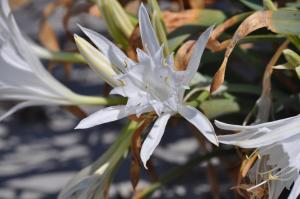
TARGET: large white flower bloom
(279,149)
(22,75)
(152,84)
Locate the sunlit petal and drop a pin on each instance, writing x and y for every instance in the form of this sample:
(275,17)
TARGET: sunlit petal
(154,137)
(148,35)
(200,121)
(105,115)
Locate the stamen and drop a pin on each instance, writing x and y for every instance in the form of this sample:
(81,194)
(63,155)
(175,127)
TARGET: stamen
(256,186)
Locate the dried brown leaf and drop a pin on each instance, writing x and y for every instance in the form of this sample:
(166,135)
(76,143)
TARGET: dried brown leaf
(174,20)
(197,3)
(136,141)
(255,21)
(135,154)
(183,55)
(16,4)
(47,36)
(135,42)
(135,171)
(74,10)
(247,164)
(213,44)
(76,111)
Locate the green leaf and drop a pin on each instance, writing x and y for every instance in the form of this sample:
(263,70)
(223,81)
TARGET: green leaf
(95,178)
(208,17)
(286,22)
(292,57)
(159,25)
(297,69)
(251,5)
(217,107)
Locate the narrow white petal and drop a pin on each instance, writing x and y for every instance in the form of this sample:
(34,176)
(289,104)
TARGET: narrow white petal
(296,190)
(5,9)
(154,138)
(235,139)
(197,54)
(118,91)
(274,124)
(200,121)
(17,108)
(148,35)
(10,56)
(105,115)
(33,61)
(110,50)
(276,135)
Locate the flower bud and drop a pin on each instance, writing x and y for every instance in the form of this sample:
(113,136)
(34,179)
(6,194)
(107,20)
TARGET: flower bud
(97,61)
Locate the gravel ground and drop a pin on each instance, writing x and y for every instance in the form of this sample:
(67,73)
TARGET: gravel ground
(40,151)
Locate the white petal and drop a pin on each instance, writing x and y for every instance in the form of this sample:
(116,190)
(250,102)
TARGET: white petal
(9,55)
(154,138)
(118,91)
(276,135)
(234,139)
(200,121)
(142,56)
(110,50)
(5,9)
(18,107)
(197,54)
(33,61)
(296,189)
(105,115)
(274,124)
(148,35)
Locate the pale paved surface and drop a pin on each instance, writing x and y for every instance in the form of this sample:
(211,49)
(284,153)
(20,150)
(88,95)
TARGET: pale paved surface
(40,151)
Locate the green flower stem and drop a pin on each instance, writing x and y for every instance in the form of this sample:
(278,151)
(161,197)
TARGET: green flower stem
(69,57)
(269,4)
(181,170)
(104,101)
(201,98)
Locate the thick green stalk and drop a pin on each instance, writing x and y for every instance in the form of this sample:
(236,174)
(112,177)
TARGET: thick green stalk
(44,53)
(103,101)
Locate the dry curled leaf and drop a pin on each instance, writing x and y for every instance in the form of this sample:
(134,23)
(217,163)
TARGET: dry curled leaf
(76,111)
(264,102)
(213,44)
(135,154)
(136,141)
(183,55)
(174,20)
(47,36)
(277,21)
(16,4)
(255,21)
(74,10)
(247,164)
(135,42)
(197,3)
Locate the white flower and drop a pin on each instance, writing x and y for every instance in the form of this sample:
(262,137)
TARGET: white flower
(152,84)
(279,149)
(22,75)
